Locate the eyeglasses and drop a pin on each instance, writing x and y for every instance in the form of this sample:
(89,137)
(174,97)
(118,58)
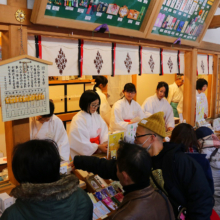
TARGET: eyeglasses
(94,106)
(142,135)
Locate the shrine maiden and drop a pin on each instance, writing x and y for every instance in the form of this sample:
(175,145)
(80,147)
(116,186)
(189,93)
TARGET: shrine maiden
(126,111)
(88,131)
(158,103)
(201,86)
(176,95)
(51,127)
(105,109)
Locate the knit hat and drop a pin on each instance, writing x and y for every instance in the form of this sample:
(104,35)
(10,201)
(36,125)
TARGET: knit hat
(155,123)
(203,132)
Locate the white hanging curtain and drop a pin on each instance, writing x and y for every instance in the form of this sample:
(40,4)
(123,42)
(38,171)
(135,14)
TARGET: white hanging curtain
(150,60)
(126,59)
(202,64)
(97,58)
(170,65)
(62,52)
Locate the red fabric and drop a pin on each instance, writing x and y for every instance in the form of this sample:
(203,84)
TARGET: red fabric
(95,140)
(127,120)
(40,47)
(81,60)
(214,215)
(161,54)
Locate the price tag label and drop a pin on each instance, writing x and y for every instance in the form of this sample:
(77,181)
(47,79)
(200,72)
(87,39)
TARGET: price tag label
(109,17)
(55,8)
(174,12)
(130,21)
(145,1)
(154,28)
(137,23)
(161,30)
(98,14)
(179,13)
(69,8)
(80,10)
(88,18)
(165,9)
(139,0)
(120,19)
(48,7)
(170,10)
(184,15)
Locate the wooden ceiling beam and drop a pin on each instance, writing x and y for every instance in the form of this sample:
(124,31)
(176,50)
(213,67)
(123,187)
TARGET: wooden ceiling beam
(215,23)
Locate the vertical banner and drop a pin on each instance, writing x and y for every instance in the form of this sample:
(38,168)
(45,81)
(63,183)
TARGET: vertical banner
(126,59)
(202,64)
(151,60)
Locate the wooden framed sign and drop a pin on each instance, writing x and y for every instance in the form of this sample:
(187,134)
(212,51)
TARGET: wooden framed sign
(123,17)
(184,19)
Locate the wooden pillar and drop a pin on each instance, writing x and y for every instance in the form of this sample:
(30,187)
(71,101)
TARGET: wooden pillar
(189,94)
(15,131)
(213,113)
(209,94)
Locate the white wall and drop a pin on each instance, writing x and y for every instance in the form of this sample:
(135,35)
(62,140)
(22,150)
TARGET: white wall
(212,35)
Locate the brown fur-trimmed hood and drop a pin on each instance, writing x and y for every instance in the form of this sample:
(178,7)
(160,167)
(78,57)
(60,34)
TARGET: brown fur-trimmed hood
(58,190)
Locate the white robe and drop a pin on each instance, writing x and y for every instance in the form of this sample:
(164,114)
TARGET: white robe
(84,127)
(204,101)
(153,105)
(121,111)
(54,130)
(176,95)
(105,109)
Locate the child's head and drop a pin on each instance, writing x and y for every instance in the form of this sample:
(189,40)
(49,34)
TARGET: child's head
(129,91)
(90,102)
(45,118)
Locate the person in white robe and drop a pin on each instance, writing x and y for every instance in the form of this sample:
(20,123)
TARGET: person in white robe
(51,127)
(88,131)
(126,111)
(105,109)
(158,103)
(201,86)
(176,95)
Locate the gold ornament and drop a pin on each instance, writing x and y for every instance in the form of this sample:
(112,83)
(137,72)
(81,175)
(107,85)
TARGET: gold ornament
(20,15)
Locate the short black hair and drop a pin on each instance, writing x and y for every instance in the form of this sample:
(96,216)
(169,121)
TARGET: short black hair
(36,161)
(100,80)
(51,110)
(163,84)
(129,87)
(87,98)
(200,83)
(135,161)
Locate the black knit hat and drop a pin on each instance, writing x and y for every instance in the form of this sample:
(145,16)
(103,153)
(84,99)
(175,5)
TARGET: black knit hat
(203,132)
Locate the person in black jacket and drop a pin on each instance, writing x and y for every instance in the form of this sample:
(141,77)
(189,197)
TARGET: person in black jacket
(180,177)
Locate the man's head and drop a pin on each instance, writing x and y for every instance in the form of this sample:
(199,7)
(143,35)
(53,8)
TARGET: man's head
(45,118)
(179,80)
(36,161)
(133,164)
(150,133)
